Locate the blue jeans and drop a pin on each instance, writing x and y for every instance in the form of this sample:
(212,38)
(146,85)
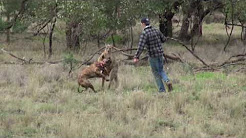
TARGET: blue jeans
(156,64)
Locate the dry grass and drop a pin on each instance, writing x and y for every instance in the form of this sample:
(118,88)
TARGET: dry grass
(47,105)
(42,101)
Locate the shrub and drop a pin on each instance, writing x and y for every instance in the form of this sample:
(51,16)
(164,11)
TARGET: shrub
(19,27)
(117,39)
(2,25)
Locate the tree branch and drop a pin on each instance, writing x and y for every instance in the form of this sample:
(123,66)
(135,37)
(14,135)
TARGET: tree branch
(232,20)
(239,25)
(197,57)
(21,11)
(12,55)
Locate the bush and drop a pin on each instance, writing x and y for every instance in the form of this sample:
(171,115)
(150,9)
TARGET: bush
(2,25)
(19,27)
(117,39)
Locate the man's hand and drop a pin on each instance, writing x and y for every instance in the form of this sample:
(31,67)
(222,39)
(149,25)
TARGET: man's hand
(135,60)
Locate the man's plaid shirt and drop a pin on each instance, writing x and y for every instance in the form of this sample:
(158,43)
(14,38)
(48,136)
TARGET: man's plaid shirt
(153,39)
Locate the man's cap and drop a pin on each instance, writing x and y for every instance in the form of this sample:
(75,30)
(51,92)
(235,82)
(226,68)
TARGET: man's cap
(145,21)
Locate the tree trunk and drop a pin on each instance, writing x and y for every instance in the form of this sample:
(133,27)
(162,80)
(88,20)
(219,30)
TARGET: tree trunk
(72,35)
(69,36)
(244,38)
(183,35)
(169,27)
(199,15)
(197,27)
(51,37)
(162,25)
(76,37)
(112,36)
(165,19)
(8,30)
(98,40)
(165,24)
(131,34)
(196,8)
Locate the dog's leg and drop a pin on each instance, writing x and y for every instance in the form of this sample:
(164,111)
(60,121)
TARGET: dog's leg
(79,87)
(81,90)
(87,84)
(91,86)
(102,75)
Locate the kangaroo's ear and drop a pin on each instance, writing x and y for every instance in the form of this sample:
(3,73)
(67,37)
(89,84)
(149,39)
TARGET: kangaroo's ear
(108,47)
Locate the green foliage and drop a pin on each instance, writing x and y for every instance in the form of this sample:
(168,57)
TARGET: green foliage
(156,7)
(3,25)
(69,59)
(9,7)
(117,39)
(209,75)
(6,134)
(29,132)
(187,67)
(20,27)
(235,9)
(244,88)
(167,123)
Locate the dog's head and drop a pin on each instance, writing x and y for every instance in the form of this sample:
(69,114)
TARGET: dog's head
(104,63)
(107,61)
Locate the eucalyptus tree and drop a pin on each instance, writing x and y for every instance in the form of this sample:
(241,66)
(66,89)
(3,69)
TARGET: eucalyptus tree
(81,18)
(194,11)
(119,15)
(42,15)
(10,11)
(235,11)
(164,10)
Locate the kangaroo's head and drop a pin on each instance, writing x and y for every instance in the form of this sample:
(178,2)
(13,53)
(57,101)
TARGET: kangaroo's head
(106,54)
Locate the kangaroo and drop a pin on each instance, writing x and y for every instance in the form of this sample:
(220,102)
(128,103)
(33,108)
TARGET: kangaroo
(112,68)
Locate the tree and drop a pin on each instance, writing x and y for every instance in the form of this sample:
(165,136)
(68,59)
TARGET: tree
(164,10)
(119,14)
(235,16)
(43,16)
(165,18)
(10,11)
(195,11)
(80,18)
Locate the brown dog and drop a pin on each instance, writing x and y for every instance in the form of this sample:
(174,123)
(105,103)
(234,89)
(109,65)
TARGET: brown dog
(112,68)
(97,69)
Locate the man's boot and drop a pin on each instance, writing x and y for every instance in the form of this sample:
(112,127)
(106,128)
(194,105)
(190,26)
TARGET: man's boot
(169,86)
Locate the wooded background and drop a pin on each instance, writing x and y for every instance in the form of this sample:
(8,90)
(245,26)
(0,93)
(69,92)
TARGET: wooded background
(98,20)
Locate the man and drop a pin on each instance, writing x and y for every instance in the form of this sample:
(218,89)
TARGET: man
(153,39)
